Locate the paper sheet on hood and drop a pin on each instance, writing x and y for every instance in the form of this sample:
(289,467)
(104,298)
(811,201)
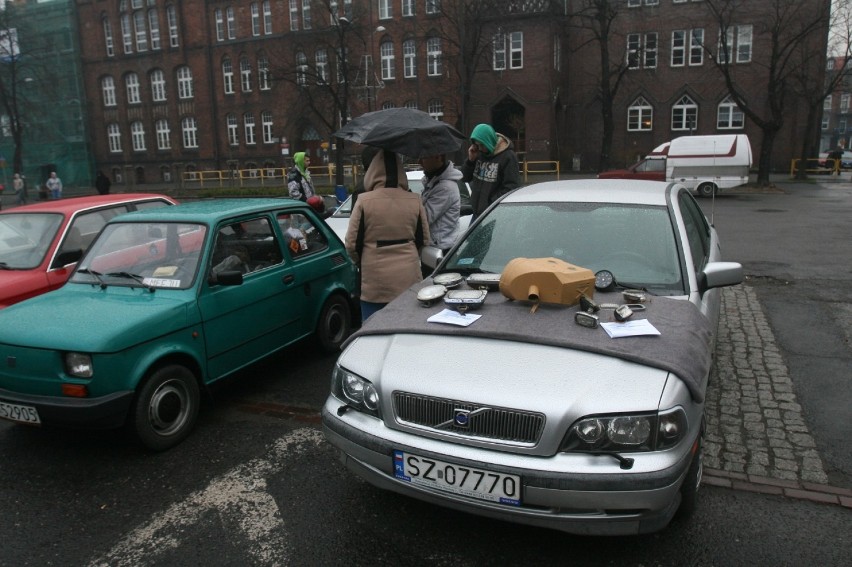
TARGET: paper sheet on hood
(453,317)
(629,329)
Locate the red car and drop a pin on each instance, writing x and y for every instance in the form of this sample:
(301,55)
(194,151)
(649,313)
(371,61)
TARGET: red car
(40,244)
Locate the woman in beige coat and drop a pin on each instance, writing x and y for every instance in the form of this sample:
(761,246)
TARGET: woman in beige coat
(387,229)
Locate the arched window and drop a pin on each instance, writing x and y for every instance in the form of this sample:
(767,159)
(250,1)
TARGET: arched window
(189,130)
(409,59)
(321,58)
(388,104)
(301,69)
(640,116)
(171,19)
(266,125)
(140,27)
(411,104)
(154,28)
(137,136)
(263,77)
(388,60)
(436,109)
(158,85)
(126,34)
(114,138)
(131,81)
(729,115)
(185,89)
(685,114)
(245,74)
(161,127)
(108,90)
(434,66)
(228,75)
(248,122)
(110,44)
(233,133)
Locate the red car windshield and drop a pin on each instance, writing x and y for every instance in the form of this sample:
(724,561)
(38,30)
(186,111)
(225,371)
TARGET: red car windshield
(25,238)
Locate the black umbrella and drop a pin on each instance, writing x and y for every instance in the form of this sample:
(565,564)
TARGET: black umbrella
(403,130)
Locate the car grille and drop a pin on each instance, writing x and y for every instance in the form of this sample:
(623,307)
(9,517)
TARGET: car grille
(483,421)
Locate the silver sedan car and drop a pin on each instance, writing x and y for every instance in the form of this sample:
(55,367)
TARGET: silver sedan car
(536,413)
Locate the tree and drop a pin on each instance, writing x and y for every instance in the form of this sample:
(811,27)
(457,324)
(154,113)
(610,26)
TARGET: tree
(792,35)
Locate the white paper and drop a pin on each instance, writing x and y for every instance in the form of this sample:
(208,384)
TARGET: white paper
(453,317)
(630,329)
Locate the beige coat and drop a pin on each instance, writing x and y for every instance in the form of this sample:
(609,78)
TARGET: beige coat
(387,228)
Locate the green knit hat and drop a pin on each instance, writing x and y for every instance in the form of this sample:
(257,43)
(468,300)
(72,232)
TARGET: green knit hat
(485,135)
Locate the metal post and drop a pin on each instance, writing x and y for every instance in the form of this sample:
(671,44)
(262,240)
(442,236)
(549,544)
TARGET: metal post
(342,24)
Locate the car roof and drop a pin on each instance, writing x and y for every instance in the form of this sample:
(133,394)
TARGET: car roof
(210,211)
(627,191)
(73,204)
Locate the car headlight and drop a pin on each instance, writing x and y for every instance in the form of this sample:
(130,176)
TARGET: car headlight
(627,433)
(78,365)
(357,392)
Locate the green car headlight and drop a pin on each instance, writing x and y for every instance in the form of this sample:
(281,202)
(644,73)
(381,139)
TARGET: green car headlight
(78,365)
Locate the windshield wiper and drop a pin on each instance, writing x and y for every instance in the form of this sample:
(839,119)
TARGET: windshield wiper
(135,277)
(94,273)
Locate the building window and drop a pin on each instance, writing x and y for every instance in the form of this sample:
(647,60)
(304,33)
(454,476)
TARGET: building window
(248,122)
(154,27)
(255,19)
(436,109)
(685,114)
(388,104)
(642,51)
(110,44)
(163,134)
(738,40)
(114,138)
(189,130)
(637,3)
(516,50)
(266,125)
(696,46)
(231,22)
(306,14)
(263,79)
(185,89)
(841,125)
(137,136)
(131,81)
(498,57)
(407,8)
(640,116)
(409,59)
(649,54)
(433,6)
(158,85)
(245,75)
(412,104)
(126,33)
(220,24)
(321,58)
(729,115)
(678,48)
(385,10)
(513,43)
(267,17)
(171,17)
(826,104)
(744,42)
(433,57)
(108,90)
(557,53)
(294,15)
(233,132)
(301,69)
(826,121)
(228,76)
(141,29)
(388,59)
(844,102)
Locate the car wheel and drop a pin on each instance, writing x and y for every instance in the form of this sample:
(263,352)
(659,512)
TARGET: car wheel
(166,407)
(706,189)
(335,323)
(689,488)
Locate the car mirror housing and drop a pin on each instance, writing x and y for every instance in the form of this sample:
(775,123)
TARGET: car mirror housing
(720,274)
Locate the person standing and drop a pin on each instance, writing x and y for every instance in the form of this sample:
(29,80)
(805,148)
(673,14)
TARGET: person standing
(491,167)
(102,183)
(299,181)
(54,186)
(20,187)
(441,200)
(836,158)
(387,229)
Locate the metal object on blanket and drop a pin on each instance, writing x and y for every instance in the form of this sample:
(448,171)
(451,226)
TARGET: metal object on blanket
(449,280)
(585,319)
(491,282)
(428,295)
(633,295)
(465,299)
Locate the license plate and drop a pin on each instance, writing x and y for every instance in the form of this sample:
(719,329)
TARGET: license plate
(468,481)
(19,413)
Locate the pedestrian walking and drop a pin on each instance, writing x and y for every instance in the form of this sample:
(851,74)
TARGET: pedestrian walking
(299,182)
(20,186)
(491,167)
(102,183)
(54,186)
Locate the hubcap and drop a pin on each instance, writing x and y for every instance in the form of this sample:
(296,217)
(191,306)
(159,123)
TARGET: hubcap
(169,407)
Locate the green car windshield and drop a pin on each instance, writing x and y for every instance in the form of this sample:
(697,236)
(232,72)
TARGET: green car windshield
(635,242)
(154,255)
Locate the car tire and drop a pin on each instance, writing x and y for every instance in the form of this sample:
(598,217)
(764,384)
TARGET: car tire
(166,407)
(707,189)
(689,488)
(335,323)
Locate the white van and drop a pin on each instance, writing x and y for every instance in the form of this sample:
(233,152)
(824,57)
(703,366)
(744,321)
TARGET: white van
(704,164)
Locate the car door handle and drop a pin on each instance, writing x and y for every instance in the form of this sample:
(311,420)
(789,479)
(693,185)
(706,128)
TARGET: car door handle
(288,279)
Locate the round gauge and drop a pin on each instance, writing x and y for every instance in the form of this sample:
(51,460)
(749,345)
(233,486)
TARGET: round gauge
(604,280)
(429,294)
(448,280)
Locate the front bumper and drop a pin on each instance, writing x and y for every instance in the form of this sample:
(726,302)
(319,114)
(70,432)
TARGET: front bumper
(105,412)
(581,503)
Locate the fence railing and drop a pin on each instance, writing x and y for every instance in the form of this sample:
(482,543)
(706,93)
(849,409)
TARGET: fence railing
(549,167)
(817,165)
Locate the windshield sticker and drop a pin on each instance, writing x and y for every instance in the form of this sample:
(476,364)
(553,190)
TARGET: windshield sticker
(165,271)
(465,261)
(160,282)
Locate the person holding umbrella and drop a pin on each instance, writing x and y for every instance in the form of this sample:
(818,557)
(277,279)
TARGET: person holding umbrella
(491,167)
(387,229)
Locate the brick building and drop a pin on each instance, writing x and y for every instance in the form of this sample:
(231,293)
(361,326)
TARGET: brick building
(174,87)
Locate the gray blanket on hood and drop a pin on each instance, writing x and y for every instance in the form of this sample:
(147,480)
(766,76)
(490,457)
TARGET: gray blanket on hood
(681,348)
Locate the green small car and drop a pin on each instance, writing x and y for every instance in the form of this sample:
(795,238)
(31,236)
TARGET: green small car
(166,302)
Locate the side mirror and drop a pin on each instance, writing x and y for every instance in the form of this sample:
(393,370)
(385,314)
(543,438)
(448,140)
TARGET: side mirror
(67,257)
(720,274)
(431,256)
(228,277)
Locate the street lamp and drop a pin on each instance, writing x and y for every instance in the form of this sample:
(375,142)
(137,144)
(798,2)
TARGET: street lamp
(342,24)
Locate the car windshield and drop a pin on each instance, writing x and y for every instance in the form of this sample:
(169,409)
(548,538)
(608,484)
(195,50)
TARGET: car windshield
(25,238)
(345,208)
(148,254)
(634,242)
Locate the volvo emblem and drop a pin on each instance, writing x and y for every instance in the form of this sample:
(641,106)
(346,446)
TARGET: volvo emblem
(461,418)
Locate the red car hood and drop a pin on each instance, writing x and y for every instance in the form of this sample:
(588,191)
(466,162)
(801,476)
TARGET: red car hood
(17,285)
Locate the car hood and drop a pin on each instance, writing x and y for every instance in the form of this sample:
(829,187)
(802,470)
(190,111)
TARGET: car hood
(16,285)
(90,319)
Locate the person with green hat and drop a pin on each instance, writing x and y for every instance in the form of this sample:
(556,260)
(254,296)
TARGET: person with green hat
(299,178)
(491,168)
